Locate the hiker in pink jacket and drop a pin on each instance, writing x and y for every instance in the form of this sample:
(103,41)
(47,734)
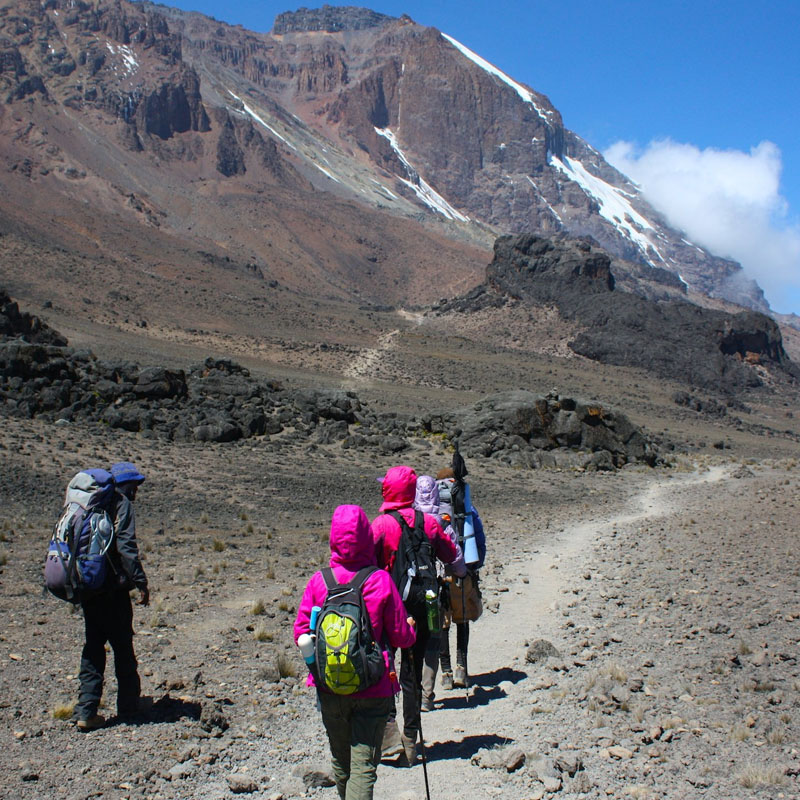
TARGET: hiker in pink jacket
(355,722)
(399,491)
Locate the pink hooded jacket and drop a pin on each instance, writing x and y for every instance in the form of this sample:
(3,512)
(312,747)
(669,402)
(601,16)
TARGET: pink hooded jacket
(399,492)
(351,550)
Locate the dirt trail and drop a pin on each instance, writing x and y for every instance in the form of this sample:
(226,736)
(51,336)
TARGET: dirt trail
(459,727)
(365,366)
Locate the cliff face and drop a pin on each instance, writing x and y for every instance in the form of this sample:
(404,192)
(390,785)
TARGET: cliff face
(397,118)
(330,19)
(458,136)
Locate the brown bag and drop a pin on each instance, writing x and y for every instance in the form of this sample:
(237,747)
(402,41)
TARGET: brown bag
(472,600)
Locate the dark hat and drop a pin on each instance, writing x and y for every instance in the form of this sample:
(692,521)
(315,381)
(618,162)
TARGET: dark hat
(445,472)
(125,472)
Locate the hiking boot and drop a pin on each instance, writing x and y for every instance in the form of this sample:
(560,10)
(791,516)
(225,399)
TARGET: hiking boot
(427,703)
(392,744)
(91,724)
(460,678)
(410,749)
(447,680)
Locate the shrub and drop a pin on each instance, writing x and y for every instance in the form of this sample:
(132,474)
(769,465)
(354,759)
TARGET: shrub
(286,666)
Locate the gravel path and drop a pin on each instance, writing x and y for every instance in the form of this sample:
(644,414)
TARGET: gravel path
(670,599)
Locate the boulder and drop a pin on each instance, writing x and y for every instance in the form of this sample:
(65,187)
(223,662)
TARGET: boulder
(158,382)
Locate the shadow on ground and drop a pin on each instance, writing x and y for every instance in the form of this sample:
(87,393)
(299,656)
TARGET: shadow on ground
(464,749)
(498,676)
(165,709)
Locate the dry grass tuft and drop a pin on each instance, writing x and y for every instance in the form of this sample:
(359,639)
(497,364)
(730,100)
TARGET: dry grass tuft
(740,733)
(257,608)
(776,735)
(261,634)
(754,775)
(286,666)
(639,792)
(64,711)
(617,673)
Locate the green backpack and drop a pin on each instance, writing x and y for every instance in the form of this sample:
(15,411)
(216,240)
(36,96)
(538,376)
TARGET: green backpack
(348,659)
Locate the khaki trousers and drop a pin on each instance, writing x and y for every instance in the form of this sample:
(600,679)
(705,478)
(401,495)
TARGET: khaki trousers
(355,731)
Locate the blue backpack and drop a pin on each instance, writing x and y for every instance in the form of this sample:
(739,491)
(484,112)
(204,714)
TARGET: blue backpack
(77,557)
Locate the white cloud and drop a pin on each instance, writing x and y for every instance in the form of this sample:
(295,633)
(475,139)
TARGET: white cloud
(727,201)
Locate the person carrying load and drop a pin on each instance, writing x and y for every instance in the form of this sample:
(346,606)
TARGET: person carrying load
(355,698)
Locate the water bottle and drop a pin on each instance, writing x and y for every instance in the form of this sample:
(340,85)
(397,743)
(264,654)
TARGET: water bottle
(306,644)
(432,607)
(470,541)
(312,625)
(102,533)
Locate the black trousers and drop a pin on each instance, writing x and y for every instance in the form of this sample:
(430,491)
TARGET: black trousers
(462,644)
(412,660)
(108,618)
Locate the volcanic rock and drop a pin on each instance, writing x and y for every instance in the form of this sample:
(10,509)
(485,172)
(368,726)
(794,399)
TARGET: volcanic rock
(674,339)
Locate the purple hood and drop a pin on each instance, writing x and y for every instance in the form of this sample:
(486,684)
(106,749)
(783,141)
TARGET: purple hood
(427,497)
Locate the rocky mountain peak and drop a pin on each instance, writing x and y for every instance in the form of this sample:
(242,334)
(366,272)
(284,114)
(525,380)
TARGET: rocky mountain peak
(329,19)
(393,119)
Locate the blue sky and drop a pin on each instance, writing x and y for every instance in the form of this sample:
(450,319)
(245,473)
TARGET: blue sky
(697,100)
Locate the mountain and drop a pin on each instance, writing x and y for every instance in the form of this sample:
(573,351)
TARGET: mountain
(346,155)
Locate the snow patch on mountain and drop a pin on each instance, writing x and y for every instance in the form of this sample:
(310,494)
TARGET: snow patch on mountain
(128,57)
(524,93)
(326,172)
(614,205)
(426,193)
(544,200)
(250,112)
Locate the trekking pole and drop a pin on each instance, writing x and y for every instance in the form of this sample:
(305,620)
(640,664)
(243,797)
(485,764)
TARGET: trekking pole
(421,737)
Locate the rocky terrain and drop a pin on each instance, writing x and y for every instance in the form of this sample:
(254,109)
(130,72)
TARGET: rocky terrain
(639,632)
(639,637)
(624,326)
(219,402)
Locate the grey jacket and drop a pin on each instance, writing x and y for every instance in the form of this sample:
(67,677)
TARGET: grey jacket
(125,553)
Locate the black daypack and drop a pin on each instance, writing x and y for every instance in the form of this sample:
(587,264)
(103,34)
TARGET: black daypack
(414,569)
(348,659)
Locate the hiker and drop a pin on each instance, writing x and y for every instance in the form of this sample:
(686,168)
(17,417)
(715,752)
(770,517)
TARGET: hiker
(462,596)
(355,722)
(391,539)
(108,614)
(427,500)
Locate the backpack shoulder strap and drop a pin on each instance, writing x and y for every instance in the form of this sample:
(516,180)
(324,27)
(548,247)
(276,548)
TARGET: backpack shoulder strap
(329,578)
(417,533)
(395,514)
(419,521)
(360,578)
